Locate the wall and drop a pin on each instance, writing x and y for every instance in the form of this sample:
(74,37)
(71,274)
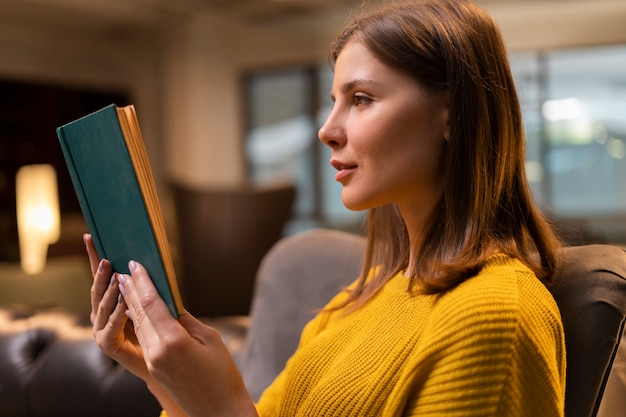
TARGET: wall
(207,55)
(184,77)
(118,63)
(557,24)
(205,60)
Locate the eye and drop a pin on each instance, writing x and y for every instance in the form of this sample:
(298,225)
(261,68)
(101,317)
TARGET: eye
(360,99)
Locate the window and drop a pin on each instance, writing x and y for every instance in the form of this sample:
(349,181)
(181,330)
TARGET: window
(286,107)
(574,109)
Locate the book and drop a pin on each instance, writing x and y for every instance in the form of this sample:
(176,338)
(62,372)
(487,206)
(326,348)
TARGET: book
(109,167)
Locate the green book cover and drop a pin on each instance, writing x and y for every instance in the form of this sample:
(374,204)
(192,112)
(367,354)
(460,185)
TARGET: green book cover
(110,195)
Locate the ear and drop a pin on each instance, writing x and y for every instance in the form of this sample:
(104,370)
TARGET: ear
(446,123)
(445,116)
(442,100)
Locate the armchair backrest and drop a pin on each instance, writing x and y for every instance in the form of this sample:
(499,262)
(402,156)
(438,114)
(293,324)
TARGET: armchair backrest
(303,272)
(591,293)
(300,274)
(223,234)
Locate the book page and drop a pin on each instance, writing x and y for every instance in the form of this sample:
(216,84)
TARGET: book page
(139,156)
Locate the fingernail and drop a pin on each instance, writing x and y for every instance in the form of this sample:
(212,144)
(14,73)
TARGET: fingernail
(120,299)
(100,266)
(122,280)
(122,290)
(113,279)
(132,266)
(128,315)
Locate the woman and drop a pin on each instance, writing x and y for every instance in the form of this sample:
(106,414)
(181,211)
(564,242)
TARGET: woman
(450,315)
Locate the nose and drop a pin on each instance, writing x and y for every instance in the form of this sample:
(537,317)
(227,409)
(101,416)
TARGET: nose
(332,132)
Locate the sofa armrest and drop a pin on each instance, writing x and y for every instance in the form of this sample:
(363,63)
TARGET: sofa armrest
(51,366)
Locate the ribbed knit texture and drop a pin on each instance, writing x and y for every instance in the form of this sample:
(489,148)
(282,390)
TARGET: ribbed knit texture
(493,346)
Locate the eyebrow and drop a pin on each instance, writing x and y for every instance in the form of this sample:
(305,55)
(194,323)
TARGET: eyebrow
(351,84)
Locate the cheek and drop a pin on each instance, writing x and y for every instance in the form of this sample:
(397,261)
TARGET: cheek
(417,153)
(379,130)
(370,139)
(412,138)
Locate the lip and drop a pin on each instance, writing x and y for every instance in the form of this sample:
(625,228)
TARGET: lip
(344,169)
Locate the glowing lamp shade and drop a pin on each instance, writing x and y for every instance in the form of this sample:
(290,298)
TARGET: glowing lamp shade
(38,218)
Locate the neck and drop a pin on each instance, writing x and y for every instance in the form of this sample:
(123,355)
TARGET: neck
(415,222)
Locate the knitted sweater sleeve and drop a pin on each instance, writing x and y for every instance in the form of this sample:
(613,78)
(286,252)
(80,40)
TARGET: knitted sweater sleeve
(491,351)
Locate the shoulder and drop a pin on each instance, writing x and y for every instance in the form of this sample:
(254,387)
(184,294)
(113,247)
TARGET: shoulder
(504,282)
(503,295)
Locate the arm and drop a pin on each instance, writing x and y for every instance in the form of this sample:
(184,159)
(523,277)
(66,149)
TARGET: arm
(182,361)
(112,330)
(185,357)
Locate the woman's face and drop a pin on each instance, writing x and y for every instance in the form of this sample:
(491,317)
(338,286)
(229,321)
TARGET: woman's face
(386,133)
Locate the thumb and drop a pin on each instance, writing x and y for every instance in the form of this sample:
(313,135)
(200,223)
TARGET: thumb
(198,330)
(190,323)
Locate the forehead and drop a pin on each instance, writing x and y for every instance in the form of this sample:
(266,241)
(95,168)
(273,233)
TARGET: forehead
(355,57)
(356,63)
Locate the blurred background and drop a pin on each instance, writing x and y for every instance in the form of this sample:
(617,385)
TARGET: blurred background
(230,94)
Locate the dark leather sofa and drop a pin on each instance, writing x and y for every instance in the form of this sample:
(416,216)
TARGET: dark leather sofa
(51,367)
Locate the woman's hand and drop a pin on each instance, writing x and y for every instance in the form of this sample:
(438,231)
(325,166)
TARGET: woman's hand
(186,357)
(111,328)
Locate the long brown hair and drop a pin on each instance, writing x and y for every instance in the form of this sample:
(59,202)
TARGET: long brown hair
(486,206)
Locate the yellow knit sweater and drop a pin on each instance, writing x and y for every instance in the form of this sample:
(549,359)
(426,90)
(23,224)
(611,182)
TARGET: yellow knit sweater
(493,346)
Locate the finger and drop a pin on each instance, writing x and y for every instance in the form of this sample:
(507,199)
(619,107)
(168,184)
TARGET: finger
(101,282)
(107,335)
(106,304)
(94,259)
(151,316)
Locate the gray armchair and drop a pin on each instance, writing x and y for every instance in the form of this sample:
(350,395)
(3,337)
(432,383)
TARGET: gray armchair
(301,273)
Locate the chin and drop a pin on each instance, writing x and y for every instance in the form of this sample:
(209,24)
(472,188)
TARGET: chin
(355,204)
(350,205)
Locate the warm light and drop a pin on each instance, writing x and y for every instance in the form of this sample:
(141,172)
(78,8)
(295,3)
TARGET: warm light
(38,218)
